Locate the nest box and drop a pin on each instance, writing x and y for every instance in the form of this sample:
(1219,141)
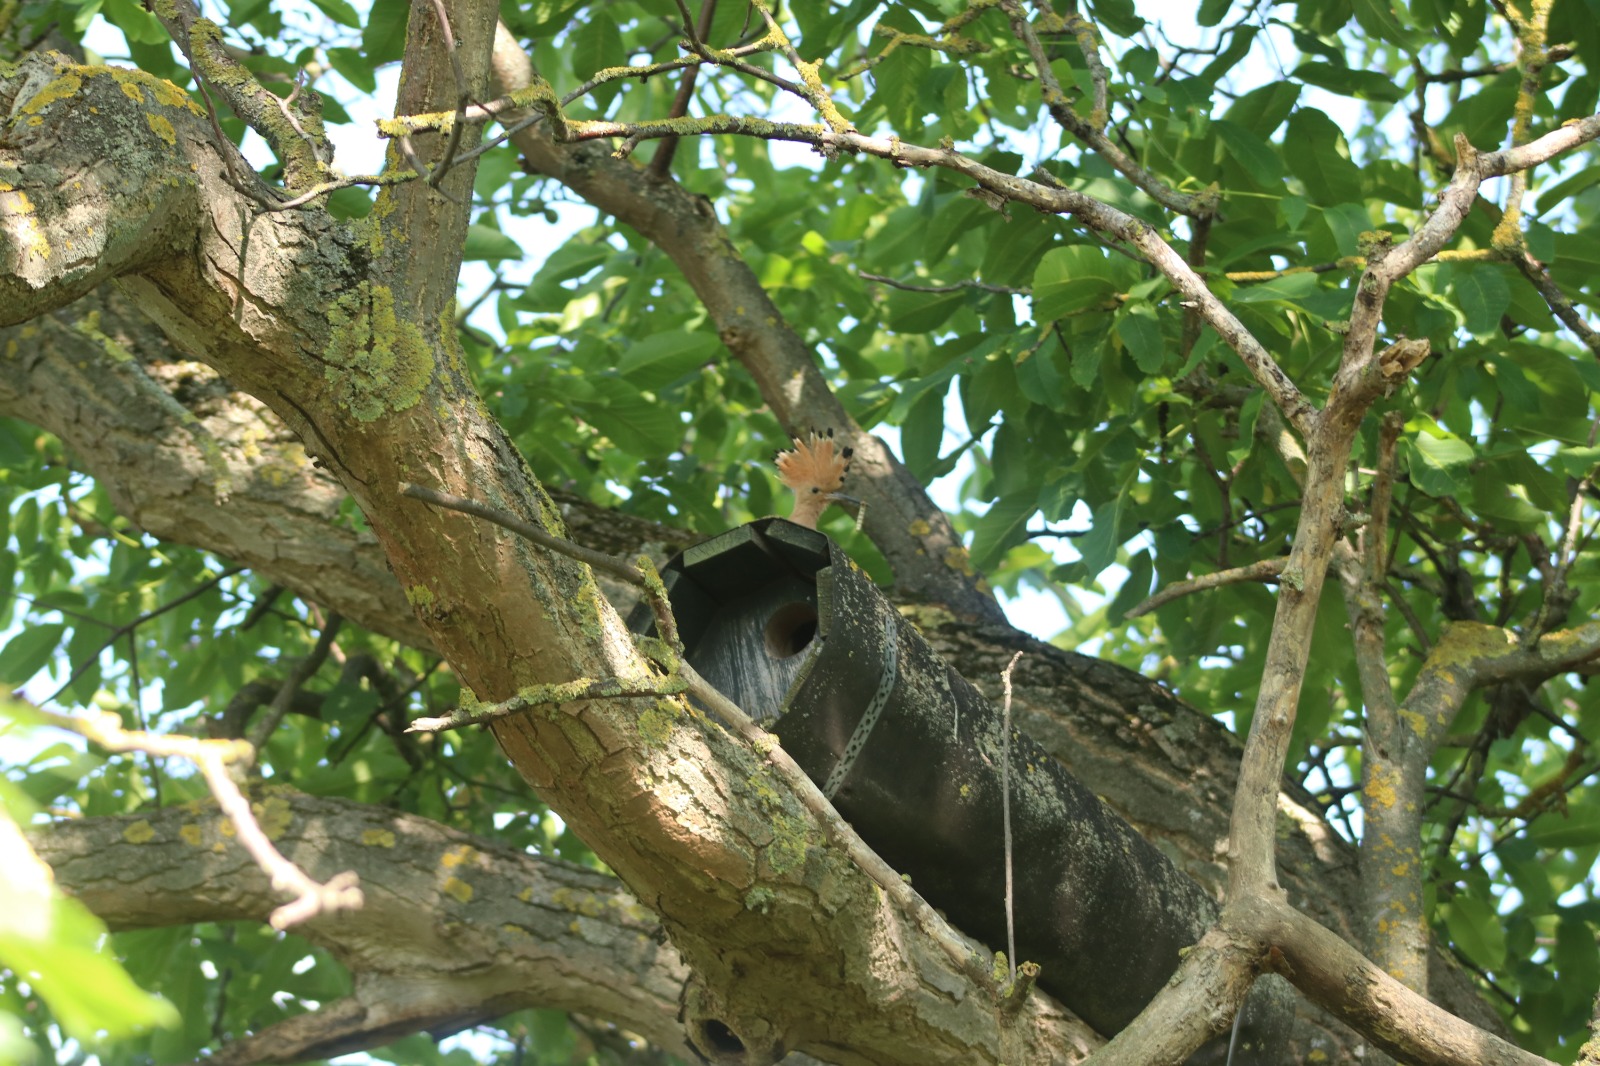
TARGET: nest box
(781,621)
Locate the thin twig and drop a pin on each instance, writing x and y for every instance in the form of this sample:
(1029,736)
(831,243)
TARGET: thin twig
(340,892)
(615,566)
(302,672)
(463,96)
(1005,814)
(1375,537)
(121,631)
(661,162)
(1091,130)
(959,286)
(609,688)
(1260,570)
(640,572)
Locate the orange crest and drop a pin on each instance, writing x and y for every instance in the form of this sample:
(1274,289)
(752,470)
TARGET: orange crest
(814,470)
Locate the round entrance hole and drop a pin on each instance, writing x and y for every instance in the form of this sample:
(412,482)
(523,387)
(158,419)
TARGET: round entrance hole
(791,629)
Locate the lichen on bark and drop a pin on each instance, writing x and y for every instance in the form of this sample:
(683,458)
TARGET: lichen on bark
(378,362)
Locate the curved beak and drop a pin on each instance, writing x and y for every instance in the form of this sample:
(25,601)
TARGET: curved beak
(850,503)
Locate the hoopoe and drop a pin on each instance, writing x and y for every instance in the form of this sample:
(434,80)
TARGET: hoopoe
(814,470)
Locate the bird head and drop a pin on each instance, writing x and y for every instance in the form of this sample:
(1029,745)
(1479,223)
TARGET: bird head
(814,471)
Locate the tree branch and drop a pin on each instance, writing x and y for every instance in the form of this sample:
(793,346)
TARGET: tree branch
(914,535)
(455,929)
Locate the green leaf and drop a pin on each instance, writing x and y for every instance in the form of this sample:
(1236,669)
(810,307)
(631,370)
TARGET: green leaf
(1212,11)
(1040,378)
(485,244)
(1578,462)
(665,356)
(1099,546)
(354,67)
(384,38)
(574,259)
(1118,16)
(54,942)
(1321,160)
(1003,526)
(639,425)
(1140,333)
(1577,828)
(29,652)
(1477,930)
(1555,194)
(1134,591)
(900,79)
(922,432)
(1263,110)
(1347,223)
(339,11)
(1361,84)
(596,45)
(1439,463)
(915,312)
(1377,18)
(350,202)
(1085,369)
(1075,278)
(1251,151)
(1483,296)
(137,25)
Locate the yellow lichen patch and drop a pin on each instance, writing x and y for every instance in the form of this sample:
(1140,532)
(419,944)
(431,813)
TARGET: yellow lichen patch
(377,838)
(578,902)
(456,856)
(273,814)
(190,834)
(458,889)
(919,528)
(512,929)
(955,557)
(788,848)
(161,128)
(656,724)
(1380,788)
(14,203)
(139,832)
(136,83)
(1464,641)
(58,89)
(1414,721)
(419,596)
(526,895)
(378,363)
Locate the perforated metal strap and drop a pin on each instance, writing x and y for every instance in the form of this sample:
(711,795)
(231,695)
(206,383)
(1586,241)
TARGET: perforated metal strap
(869,717)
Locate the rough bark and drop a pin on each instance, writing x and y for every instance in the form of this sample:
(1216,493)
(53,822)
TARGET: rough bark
(188,459)
(455,929)
(1161,764)
(343,332)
